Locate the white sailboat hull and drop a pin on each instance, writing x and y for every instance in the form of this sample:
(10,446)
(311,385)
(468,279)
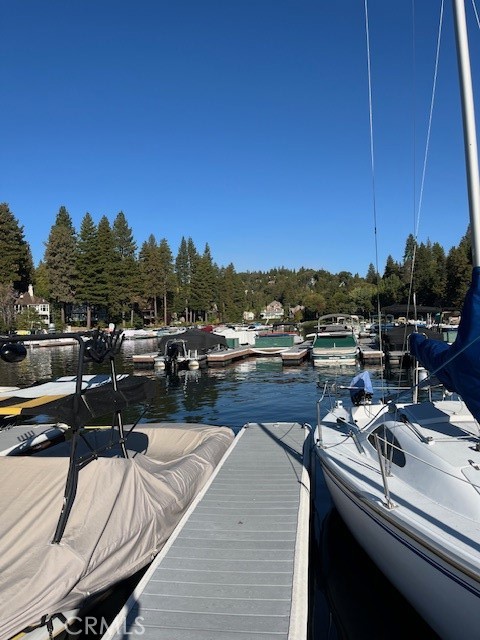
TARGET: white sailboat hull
(436,581)
(405,477)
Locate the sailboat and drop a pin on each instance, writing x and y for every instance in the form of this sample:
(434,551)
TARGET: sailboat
(405,476)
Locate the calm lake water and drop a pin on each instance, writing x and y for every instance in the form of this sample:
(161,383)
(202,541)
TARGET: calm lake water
(351,598)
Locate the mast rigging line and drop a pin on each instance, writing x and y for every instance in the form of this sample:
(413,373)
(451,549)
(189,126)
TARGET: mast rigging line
(417,216)
(372,150)
(429,128)
(476,13)
(430,118)
(372,164)
(411,292)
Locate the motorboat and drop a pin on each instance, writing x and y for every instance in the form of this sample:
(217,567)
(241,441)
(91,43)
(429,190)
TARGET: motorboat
(187,350)
(20,434)
(275,339)
(96,506)
(334,344)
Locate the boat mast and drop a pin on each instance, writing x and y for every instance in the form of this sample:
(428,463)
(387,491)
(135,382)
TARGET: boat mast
(469,130)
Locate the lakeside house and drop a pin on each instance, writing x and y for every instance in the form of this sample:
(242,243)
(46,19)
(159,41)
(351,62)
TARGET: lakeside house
(273,311)
(29,300)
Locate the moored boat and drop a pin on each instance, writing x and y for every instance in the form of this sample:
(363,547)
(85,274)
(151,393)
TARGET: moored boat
(334,344)
(405,475)
(276,339)
(187,350)
(94,509)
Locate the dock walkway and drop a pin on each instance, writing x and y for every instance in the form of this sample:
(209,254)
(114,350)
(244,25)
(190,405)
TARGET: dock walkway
(237,565)
(371,356)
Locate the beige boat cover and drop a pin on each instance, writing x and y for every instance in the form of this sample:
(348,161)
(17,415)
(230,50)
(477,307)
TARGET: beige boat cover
(124,512)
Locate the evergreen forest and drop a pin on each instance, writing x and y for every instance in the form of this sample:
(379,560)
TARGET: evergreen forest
(97,274)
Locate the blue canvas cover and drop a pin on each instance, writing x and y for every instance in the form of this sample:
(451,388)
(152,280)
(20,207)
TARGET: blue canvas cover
(457,366)
(361,388)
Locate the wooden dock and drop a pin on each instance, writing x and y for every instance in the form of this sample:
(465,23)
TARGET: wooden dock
(237,565)
(371,355)
(221,358)
(296,355)
(293,356)
(226,356)
(144,360)
(59,342)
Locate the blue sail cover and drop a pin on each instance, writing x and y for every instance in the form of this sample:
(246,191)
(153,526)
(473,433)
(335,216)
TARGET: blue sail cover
(361,388)
(457,366)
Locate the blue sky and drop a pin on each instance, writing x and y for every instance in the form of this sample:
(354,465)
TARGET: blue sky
(241,123)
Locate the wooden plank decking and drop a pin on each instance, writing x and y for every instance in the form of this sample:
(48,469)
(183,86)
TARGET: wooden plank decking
(295,355)
(236,568)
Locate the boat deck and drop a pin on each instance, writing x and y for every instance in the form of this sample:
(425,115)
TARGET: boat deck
(237,565)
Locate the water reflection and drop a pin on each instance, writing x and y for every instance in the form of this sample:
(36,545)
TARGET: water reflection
(361,602)
(184,392)
(254,389)
(40,364)
(346,583)
(268,364)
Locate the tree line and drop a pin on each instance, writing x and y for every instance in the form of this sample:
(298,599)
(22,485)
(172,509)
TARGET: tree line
(98,274)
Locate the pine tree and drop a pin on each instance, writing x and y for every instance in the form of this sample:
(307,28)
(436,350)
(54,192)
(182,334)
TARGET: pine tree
(391,290)
(16,264)
(392,268)
(105,261)
(42,286)
(61,261)
(439,283)
(372,275)
(166,275)
(459,271)
(149,264)
(204,285)
(232,296)
(430,274)
(185,265)
(182,268)
(193,260)
(125,272)
(89,267)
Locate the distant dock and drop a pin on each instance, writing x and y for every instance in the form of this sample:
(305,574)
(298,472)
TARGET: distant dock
(370,354)
(221,358)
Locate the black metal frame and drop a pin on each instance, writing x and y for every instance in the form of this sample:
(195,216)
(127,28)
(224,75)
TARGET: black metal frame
(97,346)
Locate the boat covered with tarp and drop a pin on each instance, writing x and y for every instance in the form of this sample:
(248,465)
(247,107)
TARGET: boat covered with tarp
(125,509)
(188,349)
(88,512)
(195,340)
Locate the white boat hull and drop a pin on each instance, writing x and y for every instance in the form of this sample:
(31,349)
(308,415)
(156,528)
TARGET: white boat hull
(446,597)
(321,359)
